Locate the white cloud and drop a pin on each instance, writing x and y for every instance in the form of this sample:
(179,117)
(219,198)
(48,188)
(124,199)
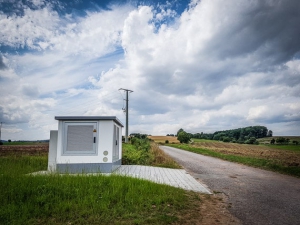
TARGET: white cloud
(218,65)
(24,31)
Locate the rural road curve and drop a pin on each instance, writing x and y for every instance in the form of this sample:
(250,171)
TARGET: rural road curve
(256,196)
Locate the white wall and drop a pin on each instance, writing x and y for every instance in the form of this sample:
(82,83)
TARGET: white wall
(104,140)
(52,150)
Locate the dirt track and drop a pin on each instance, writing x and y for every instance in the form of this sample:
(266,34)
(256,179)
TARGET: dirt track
(254,196)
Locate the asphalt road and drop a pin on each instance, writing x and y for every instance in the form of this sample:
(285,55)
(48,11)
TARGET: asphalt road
(256,196)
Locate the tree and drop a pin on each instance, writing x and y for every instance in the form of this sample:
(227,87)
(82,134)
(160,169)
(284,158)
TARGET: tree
(9,140)
(280,140)
(272,142)
(270,133)
(183,137)
(180,130)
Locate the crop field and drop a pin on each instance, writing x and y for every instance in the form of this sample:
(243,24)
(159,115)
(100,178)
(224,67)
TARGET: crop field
(280,158)
(285,157)
(162,139)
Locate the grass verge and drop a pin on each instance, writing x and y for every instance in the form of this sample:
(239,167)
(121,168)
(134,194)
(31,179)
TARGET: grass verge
(151,155)
(79,199)
(250,161)
(88,200)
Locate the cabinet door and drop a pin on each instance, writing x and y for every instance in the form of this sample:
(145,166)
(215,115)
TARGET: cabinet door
(116,143)
(80,138)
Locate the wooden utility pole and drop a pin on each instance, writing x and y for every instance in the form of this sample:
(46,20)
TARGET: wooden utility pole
(0,130)
(126,131)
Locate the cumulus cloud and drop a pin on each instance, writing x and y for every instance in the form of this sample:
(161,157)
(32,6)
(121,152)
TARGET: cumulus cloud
(218,65)
(217,54)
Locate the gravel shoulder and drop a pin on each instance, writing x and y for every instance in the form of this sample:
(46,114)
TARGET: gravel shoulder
(253,195)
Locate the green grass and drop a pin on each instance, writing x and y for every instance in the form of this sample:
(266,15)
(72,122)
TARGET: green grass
(255,162)
(87,200)
(295,148)
(79,199)
(22,164)
(151,156)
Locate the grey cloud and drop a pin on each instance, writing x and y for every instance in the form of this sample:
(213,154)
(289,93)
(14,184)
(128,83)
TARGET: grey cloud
(12,117)
(30,90)
(267,29)
(2,64)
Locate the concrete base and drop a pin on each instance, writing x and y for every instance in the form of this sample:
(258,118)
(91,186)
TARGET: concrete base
(88,167)
(52,150)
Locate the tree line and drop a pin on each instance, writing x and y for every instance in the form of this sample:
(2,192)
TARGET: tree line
(246,135)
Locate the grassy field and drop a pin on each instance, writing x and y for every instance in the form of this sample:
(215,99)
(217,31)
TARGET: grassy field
(280,158)
(79,199)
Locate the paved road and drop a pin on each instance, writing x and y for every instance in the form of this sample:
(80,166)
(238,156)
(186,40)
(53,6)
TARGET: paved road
(257,196)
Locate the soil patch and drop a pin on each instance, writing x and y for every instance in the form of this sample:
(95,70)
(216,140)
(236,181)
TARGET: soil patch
(41,149)
(208,210)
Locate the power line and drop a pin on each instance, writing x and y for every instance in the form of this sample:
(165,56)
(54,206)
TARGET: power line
(126,132)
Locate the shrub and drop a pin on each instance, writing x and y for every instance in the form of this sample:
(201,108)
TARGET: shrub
(137,152)
(167,141)
(280,140)
(183,137)
(226,139)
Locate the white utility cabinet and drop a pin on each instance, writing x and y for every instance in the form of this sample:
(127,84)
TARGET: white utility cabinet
(86,144)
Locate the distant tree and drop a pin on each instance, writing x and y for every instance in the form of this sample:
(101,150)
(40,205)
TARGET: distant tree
(9,140)
(183,137)
(272,142)
(1,143)
(167,141)
(270,133)
(226,139)
(180,130)
(295,142)
(280,140)
(251,141)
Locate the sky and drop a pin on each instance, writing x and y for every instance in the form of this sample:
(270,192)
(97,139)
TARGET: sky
(203,66)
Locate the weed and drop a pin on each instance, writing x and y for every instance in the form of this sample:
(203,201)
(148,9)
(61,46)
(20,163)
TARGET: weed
(144,152)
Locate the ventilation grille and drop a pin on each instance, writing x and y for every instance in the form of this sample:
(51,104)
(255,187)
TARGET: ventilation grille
(80,138)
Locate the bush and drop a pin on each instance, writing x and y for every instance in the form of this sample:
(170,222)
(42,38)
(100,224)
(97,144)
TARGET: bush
(183,137)
(226,139)
(167,141)
(137,153)
(1,143)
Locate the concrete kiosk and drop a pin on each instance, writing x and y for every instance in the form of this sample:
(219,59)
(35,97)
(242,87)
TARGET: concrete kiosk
(85,144)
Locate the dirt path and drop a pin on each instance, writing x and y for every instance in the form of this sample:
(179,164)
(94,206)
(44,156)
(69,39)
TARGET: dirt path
(254,196)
